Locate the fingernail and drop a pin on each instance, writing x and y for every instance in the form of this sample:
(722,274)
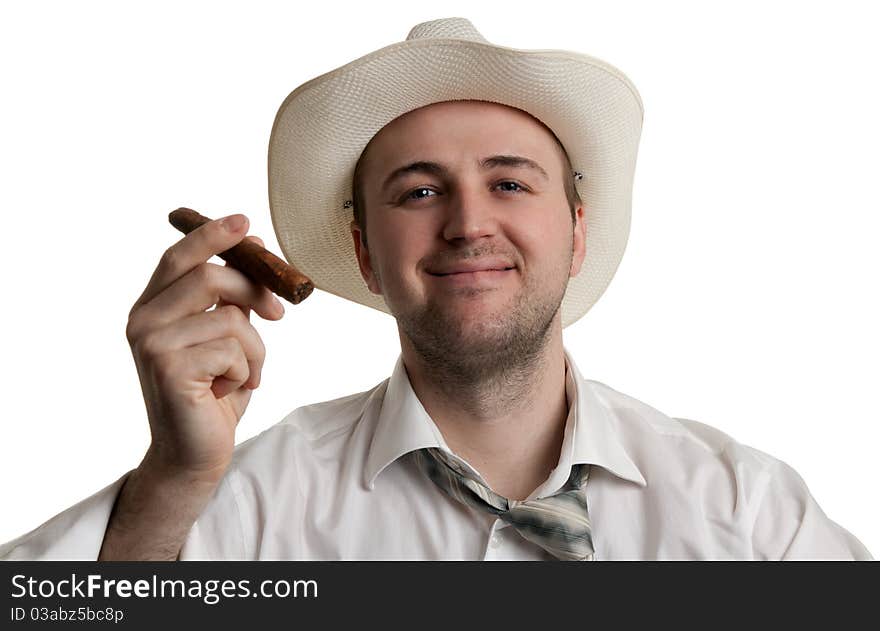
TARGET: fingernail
(279,308)
(233,222)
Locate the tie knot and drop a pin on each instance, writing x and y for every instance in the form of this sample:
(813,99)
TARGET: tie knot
(558,523)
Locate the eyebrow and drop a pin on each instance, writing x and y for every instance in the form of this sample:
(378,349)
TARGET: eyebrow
(492,162)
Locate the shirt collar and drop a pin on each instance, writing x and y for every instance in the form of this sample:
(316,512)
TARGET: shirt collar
(590,435)
(596,435)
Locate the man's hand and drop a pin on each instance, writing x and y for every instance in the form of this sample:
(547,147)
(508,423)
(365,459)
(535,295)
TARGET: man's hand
(197,370)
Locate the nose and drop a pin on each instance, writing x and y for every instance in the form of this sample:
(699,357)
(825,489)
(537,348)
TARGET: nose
(469,215)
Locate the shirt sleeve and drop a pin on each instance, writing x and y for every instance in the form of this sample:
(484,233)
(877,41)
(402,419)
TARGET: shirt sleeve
(790,525)
(76,534)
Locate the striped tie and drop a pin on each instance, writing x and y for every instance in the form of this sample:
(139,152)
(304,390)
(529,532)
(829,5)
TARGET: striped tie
(558,523)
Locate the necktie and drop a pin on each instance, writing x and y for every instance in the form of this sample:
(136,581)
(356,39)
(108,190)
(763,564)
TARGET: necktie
(558,523)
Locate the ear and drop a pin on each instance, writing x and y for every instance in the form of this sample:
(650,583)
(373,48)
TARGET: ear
(579,242)
(363,257)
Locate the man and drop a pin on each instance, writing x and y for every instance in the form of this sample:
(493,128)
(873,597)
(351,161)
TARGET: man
(461,163)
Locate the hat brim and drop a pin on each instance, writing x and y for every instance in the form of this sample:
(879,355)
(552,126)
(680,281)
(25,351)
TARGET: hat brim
(323,126)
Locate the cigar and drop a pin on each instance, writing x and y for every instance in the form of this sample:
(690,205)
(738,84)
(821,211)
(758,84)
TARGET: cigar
(255,262)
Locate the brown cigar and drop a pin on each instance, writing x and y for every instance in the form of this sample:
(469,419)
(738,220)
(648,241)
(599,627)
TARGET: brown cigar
(255,262)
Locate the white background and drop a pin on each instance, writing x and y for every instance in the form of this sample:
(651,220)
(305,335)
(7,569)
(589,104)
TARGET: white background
(747,298)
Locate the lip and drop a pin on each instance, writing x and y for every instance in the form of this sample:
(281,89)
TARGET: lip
(469,270)
(482,265)
(477,277)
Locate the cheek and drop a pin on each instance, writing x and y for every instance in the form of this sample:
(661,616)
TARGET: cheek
(543,245)
(401,247)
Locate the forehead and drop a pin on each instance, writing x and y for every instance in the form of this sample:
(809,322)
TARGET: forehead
(459,126)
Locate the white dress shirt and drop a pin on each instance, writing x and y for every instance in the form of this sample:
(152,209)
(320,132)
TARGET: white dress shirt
(333,481)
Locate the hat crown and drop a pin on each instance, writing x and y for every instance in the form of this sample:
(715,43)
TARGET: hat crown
(446,28)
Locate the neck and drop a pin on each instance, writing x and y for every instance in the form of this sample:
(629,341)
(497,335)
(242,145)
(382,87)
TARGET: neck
(507,422)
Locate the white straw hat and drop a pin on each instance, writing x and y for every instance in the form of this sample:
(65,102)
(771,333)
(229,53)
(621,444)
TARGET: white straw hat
(323,126)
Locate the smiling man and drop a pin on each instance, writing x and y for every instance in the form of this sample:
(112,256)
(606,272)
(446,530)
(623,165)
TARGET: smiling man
(479,191)
(481,196)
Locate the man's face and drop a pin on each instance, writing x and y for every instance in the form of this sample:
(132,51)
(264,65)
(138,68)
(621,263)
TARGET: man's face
(467,200)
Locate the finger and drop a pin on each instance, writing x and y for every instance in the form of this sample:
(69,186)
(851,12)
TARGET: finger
(267,297)
(226,388)
(222,362)
(225,322)
(256,240)
(200,289)
(192,250)
(244,308)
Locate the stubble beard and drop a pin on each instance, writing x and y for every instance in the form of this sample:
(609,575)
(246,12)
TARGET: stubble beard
(497,354)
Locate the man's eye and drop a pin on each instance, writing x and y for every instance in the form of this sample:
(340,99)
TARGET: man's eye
(509,186)
(417,193)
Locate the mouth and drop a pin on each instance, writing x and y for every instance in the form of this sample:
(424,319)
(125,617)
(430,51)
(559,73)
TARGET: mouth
(478,279)
(473,272)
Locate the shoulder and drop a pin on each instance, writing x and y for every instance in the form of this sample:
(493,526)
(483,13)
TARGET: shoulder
(272,474)
(691,458)
(316,430)
(641,425)
(691,465)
